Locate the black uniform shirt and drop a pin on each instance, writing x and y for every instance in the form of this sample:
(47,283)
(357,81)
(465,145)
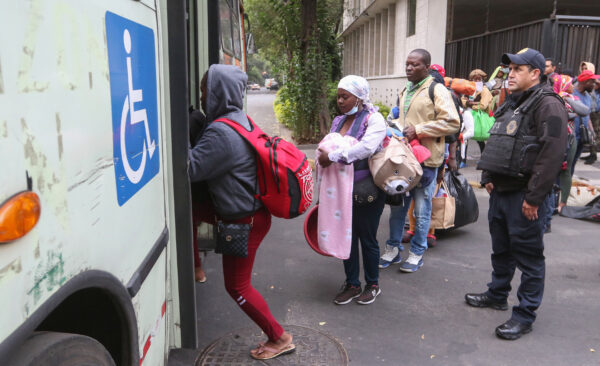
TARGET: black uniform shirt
(549,123)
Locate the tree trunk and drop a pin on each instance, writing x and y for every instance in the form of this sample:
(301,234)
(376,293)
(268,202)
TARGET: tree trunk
(324,119)
(309,20)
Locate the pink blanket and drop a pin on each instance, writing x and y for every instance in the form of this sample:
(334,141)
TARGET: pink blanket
(334,186)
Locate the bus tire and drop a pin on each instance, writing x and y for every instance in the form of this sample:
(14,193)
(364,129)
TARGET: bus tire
(61,349)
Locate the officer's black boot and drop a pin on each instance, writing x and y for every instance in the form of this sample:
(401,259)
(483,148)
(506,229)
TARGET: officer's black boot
(591,159)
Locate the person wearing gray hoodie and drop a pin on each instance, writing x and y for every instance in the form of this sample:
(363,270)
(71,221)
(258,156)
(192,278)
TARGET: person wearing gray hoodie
(227,163)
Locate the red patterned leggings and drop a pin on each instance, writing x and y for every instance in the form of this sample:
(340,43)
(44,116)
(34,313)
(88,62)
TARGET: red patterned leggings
(237,273)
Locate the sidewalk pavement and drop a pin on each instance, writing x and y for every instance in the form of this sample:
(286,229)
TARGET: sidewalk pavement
(421,318)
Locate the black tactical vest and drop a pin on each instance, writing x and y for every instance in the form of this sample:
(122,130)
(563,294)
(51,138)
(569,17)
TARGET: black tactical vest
(510,149)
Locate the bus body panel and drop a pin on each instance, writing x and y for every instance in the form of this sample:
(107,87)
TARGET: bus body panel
(60,136)
(150,303)
(56,127)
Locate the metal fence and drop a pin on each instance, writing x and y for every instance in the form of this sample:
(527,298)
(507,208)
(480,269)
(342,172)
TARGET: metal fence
(576,42)
(568,40)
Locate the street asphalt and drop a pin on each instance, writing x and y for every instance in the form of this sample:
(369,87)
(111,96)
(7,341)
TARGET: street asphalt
(420,318)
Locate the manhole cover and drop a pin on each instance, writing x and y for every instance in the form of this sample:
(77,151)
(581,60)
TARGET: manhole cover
(312,348)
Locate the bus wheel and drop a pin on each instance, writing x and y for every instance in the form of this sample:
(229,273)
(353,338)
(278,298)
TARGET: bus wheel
(61,349)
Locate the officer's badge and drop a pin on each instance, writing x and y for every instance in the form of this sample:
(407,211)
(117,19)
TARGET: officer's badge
(511,127)
(523,50)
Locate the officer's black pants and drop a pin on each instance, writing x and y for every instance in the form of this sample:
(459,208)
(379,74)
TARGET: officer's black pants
(516,242)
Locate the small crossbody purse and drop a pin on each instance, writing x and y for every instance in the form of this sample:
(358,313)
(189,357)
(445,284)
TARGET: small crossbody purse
(232,238)
(365,191)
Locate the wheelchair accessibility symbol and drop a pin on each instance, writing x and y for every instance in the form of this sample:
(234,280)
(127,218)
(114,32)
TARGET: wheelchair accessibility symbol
(132,68)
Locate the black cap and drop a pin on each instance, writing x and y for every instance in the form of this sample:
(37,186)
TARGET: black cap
(527,56)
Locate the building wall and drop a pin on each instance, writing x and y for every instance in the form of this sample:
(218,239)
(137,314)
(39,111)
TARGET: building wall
(376,43)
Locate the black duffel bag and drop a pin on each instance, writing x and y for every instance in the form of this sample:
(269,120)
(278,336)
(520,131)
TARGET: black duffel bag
(467,209)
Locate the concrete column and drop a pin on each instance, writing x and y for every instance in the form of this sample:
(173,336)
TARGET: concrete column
(377,46)
(363,47)
(383,67)
(391,41)
(436,29)
(400,51)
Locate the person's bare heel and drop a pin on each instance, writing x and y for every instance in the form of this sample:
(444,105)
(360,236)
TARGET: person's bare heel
(199,275)
(269,350)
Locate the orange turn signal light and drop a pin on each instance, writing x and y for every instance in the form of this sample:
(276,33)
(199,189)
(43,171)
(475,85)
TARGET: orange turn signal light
(19,215)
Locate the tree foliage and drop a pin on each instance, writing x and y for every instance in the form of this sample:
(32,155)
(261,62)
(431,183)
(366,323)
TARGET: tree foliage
(299,38)
(255,68)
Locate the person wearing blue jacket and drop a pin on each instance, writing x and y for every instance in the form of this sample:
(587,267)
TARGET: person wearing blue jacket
(595,120)
(585,85)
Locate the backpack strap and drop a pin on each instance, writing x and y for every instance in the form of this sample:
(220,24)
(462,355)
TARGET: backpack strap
(358,121)
(431,91)
(356,125)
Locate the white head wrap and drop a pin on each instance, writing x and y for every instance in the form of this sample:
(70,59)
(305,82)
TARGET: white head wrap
(359,87)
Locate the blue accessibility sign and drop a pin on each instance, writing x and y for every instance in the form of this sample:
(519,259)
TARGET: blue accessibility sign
(132,67)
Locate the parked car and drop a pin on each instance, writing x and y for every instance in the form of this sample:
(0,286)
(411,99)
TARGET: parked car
(254,86)
(271,84)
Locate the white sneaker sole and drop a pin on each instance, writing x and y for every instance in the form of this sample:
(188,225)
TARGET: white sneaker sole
(382,266)
(410,270)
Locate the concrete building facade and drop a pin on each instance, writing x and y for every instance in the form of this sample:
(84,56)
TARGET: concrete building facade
(378,35)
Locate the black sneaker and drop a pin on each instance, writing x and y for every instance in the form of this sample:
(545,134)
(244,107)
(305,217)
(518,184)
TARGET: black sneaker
(347,293)
(369,294)
(590,160)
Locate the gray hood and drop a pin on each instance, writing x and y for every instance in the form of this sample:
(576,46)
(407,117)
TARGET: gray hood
(226,85)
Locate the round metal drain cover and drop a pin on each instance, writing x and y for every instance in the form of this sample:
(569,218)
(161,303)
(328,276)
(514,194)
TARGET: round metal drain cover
(312,348)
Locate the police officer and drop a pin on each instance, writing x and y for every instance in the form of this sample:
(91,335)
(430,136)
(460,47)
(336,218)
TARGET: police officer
(520,164)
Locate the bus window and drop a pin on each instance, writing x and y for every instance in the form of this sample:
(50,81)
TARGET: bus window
(225,11)
(232,49)
(235,31)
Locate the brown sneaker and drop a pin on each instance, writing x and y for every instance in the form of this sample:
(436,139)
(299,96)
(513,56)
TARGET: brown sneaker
(346,294)
(369,294)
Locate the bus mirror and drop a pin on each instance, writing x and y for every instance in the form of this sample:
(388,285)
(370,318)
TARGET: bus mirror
(250,48)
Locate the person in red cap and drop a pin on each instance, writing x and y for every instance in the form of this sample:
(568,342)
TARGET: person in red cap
(520,164)
(439,69)
(585,85)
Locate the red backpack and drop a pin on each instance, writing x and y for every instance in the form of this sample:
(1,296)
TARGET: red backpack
(284,175)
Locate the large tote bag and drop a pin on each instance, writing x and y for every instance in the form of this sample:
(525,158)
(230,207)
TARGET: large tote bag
(483,122)
(443,209)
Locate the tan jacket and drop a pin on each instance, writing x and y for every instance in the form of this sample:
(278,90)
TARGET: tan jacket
(485,101)
(431,125)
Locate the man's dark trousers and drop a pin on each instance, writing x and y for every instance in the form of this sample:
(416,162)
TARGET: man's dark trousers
(516,242)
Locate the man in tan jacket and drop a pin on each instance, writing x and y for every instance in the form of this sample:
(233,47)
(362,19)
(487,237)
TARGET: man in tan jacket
(428,121)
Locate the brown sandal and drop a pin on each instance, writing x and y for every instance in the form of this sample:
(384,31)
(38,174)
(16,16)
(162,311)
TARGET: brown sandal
(199,275)
(260,352)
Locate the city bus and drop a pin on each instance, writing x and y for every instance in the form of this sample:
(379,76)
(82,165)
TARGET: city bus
(96,258)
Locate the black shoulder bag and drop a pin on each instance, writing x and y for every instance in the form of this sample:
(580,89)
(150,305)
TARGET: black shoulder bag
(584,134)
(232,238)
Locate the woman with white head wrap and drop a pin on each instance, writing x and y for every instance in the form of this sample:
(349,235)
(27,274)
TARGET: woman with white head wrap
(359,87)
(361,120)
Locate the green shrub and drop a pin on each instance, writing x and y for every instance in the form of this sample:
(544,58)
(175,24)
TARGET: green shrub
(383,109)
(332,99)
(283,109)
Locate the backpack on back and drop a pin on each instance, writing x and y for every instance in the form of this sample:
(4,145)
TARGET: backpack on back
(284,175)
